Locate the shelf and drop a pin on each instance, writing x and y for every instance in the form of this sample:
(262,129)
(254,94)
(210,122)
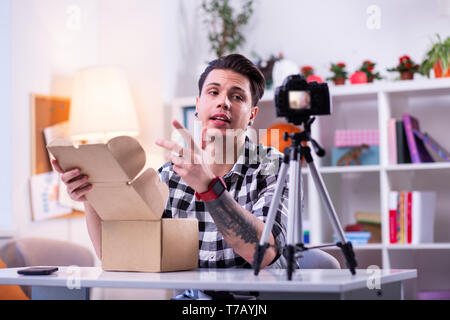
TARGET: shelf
(379,246)
(419,246)
(416,87)
(419,166)
(350,169)
(369,246)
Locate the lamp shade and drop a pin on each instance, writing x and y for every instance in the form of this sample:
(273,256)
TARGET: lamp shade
(102,106)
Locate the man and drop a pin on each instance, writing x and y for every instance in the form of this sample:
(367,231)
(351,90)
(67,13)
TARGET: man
(229,198)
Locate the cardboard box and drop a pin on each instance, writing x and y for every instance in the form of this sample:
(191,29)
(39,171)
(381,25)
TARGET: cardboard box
(134,237)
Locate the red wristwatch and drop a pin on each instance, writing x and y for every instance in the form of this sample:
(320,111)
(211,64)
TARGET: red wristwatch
(215,190)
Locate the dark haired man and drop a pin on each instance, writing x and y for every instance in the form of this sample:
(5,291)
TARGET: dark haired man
(231,198)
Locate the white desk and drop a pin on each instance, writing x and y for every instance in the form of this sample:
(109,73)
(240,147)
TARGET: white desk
(271,283)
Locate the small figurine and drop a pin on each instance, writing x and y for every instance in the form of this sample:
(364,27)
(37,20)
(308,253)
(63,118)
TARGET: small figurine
(352,155)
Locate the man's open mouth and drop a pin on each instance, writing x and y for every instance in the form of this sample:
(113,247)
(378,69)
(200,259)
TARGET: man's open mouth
(221,117)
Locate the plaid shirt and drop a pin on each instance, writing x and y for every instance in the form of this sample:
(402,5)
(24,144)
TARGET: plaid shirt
(251,183)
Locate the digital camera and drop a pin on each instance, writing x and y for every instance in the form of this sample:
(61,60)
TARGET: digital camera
(297,99)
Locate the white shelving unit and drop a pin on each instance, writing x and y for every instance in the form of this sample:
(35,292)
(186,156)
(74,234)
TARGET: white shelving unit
(369,106)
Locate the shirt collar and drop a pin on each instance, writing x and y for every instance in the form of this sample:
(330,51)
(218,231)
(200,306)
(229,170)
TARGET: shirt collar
(247,157)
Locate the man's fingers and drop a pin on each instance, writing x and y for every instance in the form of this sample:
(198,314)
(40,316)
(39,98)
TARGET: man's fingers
(169,145)
(76,184)
(186,136)
(57,166)
(79,194)
(69,175)
(176,160)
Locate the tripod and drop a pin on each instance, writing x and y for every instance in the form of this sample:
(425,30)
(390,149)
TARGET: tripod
(292,161)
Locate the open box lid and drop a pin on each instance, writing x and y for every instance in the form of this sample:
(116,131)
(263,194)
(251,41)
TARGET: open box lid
(118,192)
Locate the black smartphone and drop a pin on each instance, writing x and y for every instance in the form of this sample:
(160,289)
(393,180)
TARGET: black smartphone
(37,271)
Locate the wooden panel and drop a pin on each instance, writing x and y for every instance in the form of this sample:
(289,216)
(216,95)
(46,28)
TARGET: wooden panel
(46,111)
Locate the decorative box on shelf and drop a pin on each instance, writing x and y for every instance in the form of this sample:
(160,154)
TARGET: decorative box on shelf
(355,147)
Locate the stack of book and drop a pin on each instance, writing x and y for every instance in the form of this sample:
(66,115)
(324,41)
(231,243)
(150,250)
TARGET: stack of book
(407,144)
(368,223)
(411,217)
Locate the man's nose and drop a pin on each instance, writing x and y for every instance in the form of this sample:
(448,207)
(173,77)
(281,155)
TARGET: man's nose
(225,102)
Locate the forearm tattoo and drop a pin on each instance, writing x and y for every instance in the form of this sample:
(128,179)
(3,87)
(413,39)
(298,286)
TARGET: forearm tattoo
(230,220)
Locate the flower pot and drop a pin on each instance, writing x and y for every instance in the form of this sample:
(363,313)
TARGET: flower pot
(339,81)
(438,70)
(407,75)
(370,79)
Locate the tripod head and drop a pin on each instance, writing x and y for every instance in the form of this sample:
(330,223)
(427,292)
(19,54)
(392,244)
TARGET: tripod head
(305,136)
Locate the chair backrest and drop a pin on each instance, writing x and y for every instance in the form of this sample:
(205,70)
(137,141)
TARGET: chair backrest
(24,252)
(46,252)
(317,259)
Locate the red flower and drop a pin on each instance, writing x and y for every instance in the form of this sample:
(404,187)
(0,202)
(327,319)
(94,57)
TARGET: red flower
(404,59)
(341,64)
(306,68)
(408,65)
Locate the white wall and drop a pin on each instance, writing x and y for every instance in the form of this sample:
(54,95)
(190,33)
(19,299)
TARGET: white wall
(129,36)
(47,50)
(5,120)
(308,32)
(45,56)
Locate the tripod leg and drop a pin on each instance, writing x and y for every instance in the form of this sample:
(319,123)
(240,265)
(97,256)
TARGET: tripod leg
(264,241)
(295,217)
(346,247)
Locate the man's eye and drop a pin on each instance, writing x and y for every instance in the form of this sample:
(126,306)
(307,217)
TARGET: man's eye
(213,92)
(237,97)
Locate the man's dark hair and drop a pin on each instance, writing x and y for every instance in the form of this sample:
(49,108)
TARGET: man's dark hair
(239,64)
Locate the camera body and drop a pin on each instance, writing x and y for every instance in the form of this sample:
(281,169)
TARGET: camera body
(296,99)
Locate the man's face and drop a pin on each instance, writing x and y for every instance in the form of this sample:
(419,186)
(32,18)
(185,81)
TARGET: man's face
(225,101)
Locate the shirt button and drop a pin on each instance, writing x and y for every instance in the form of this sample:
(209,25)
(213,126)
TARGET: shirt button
(212,256)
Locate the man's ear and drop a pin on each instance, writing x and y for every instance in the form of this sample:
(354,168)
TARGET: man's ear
(253,113)
(196,103)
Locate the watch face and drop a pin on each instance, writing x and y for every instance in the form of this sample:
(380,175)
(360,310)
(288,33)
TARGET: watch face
(218,187)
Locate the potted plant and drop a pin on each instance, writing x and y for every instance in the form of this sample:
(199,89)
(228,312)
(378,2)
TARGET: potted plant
(340,74)
(437,58)
(307,71)
(406,67)
(368,68)
(225,26)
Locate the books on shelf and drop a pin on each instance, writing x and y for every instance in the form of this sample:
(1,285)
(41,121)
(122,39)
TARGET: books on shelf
(356,237)
(392,141)
(417,150)
(411,216)
(433,144)
(403,155)
(407,144)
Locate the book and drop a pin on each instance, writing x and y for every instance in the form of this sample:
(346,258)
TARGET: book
(401,218)
(417,150)
(368,217)
(408,216)
(393,200)
(403,155)
(433,144)
(392,141)
(422,216)
(411,217)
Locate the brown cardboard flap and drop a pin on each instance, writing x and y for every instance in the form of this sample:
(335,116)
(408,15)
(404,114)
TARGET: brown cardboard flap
(112,168)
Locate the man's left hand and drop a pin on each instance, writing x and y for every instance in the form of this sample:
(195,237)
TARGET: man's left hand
(189,163)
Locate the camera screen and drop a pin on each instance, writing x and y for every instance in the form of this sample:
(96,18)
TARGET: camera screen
(299,100)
